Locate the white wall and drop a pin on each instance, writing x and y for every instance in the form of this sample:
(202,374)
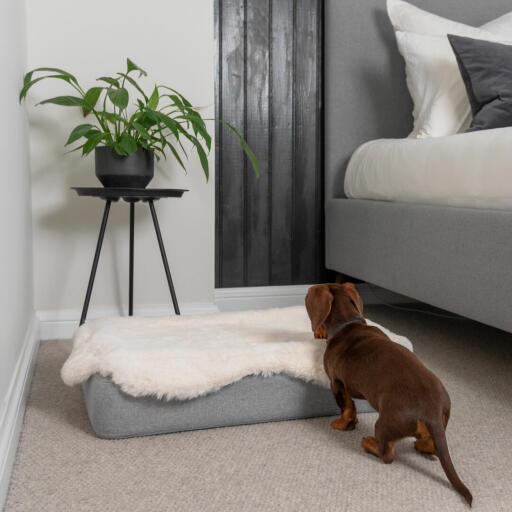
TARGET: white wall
(16,296)
(173,41)
(18,325)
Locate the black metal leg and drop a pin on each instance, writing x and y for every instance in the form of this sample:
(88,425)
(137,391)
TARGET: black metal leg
(132,229)
(164,257)
(95,261)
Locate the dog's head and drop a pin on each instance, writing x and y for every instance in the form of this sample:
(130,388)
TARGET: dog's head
(328,304)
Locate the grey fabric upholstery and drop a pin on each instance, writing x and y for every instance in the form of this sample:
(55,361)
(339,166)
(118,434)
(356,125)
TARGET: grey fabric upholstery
(458,259)
(365,92)
(114,414)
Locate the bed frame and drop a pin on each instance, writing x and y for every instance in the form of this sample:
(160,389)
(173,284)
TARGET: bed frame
(457,259)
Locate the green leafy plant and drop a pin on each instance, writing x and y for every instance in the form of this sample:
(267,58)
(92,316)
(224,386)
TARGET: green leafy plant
(159,121)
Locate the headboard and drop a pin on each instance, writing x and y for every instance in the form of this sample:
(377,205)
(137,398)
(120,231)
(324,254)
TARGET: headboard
(365,95)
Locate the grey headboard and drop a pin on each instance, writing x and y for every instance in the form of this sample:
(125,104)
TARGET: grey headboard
(365,93)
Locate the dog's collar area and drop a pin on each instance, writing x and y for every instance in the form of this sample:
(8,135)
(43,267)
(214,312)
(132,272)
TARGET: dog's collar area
(335,330)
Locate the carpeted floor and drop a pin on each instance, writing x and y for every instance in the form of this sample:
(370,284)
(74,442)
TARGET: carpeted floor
(286,466)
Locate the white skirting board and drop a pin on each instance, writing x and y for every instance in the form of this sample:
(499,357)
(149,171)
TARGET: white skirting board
(11,420)
(61,324)
(262,297)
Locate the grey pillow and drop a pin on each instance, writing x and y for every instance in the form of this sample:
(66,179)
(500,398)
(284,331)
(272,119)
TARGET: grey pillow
(486,69)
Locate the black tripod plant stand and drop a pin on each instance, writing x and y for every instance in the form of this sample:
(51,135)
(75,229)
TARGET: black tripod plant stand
(132,196)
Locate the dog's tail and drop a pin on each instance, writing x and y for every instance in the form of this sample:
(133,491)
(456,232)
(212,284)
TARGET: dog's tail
(438,435)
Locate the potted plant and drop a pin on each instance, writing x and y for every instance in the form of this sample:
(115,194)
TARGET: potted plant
(127,139)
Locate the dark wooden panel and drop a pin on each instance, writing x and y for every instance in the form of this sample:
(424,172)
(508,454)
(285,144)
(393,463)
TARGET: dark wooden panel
(269,69)
(231,203)
(305,240)
(218,139)
(257,130)
(281,153)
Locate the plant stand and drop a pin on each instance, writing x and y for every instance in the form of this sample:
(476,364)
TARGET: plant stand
(132,196)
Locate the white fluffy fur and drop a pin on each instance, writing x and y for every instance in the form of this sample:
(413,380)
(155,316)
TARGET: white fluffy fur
(185,357)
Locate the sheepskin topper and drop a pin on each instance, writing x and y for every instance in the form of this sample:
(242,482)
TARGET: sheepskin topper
(182,357)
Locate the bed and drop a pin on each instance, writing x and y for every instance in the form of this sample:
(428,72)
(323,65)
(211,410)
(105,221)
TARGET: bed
(145,376)
(453,252)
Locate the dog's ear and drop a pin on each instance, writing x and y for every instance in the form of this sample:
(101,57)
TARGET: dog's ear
(355,298)
(318,304)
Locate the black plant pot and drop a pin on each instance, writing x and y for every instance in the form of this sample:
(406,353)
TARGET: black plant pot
(134,171)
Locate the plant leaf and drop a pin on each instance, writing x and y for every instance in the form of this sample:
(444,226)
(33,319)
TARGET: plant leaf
(148,119)
(109,80)
(64,101)
(250,155)
(131,66)
(199,127)
(91,98)
(190,115)
(92,142)
(168,121)
(202,158)
(127,143)
(119,97)
(54,70)
(200,151)
(176,155)
(112,117)
(135,84)
(153,100)
(119,149)
(142,131)
(93,131)
(183,99)
(28,84)
(77,132)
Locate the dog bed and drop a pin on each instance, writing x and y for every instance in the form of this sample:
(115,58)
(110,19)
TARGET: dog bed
(144,376)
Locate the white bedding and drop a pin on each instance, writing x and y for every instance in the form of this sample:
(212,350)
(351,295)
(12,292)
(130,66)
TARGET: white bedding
(466,170)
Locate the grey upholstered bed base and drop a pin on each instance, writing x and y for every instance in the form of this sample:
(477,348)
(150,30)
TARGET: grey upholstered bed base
(458,259)
(114,414)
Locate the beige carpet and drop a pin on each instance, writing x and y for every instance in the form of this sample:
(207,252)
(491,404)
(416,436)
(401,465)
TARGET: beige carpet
(287,466)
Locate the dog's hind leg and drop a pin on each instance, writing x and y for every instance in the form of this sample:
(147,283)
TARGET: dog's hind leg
(424,442)
(383,444)
(348,419)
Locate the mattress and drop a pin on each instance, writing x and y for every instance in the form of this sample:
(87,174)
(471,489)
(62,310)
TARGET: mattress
(144,376)
(471,170)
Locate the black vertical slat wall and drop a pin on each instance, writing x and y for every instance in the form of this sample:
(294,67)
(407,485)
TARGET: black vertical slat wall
(269,231)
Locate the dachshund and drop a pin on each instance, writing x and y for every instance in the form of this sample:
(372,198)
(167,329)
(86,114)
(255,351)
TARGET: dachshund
(362,362)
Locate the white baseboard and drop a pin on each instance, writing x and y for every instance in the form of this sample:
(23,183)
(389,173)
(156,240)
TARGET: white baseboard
(259,297)
(61,324)
(262,297)
(11,420)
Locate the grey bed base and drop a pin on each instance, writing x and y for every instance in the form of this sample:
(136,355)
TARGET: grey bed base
(114,414)
(458,259)
(453,258)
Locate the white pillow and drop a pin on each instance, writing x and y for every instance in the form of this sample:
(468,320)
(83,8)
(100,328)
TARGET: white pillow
(406,17)
(501,26)
(440,102)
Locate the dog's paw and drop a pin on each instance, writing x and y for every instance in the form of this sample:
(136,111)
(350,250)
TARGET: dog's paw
(343,424)
(369,445)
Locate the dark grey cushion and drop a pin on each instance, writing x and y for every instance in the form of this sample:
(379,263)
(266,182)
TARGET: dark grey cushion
(486,69)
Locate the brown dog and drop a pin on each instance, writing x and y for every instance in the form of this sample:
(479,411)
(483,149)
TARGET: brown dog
(362,362)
